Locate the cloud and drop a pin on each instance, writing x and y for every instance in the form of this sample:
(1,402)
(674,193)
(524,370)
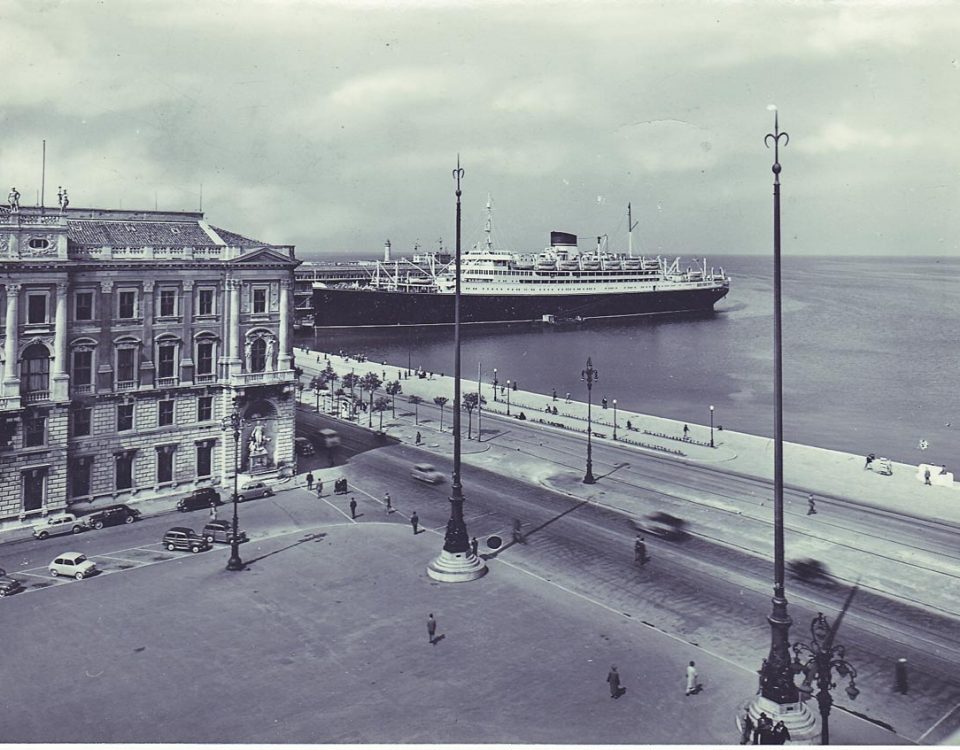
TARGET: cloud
(837,136)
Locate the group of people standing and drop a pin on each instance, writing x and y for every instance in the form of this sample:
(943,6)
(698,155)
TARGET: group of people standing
(763,732)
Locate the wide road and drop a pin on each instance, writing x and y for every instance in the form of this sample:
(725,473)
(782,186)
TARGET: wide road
(710,589)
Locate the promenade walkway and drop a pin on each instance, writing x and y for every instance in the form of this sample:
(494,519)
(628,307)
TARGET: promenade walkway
(824,473)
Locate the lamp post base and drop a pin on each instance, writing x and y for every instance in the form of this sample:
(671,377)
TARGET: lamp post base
(800,721)
(235,563)
(456,567)
(589,479)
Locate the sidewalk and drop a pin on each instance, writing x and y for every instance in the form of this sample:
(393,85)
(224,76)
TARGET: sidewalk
(825,473)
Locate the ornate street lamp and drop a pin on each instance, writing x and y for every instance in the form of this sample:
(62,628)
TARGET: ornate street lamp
(508,398)
(614,419)
(589,376)
(316,390)
(456,562)
(779,698)
(495,383)
(819,659)
(711,425)
(233,421)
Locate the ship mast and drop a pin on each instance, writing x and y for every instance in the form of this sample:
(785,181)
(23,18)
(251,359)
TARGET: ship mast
(630,227)
(488,227)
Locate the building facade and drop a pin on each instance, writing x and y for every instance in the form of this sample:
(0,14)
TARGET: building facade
(128,336)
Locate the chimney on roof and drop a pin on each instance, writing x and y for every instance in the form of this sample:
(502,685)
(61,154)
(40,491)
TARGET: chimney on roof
(386,252)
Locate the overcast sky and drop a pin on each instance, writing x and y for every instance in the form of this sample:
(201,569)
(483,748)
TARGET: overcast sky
(335,126)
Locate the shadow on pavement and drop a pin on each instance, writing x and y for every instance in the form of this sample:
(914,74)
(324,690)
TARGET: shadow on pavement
(308,538)
(523,538)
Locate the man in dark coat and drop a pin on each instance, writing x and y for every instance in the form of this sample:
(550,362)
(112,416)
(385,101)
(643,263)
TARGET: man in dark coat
(414,521)
(639,551)
(780,734)
(746,731)
(763,730)
(431,628)
(353,508)
(613,678)
(309,480)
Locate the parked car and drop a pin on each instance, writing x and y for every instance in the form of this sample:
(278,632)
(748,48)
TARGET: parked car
(222,531)
(73,564)
(204,497)
(329,438)
(252,490)
(8,585)
(55,525)
(111,515)
(303,447)
(182,538)
(426,473)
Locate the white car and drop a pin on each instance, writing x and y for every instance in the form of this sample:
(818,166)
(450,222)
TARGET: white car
(54,525)
(426,473)
(252,490)
(74,564)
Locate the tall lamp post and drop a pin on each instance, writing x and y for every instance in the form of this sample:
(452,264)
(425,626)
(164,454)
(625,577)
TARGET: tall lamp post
(589,376)
(711,425)
(495,384)
(508,398)
(614,419)
(479,398)
(778,696)
(233,421)
(456,562)
(817,660)
(316,390)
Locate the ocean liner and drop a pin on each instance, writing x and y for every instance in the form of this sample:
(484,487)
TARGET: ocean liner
(559,284)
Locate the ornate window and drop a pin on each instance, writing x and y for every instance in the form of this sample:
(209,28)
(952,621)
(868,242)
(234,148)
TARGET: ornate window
(206,349)
(258,355)
(204,459)
(206,301)
(82,367)
(260,299)
(165,454)
(127,363)
(35,370)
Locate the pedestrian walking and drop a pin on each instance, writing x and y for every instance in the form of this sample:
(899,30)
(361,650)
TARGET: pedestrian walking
(554,394)
(746,729)
(309,480)
(811,505)
(319,487)
(414,521)
(926,477)
(432,628)
(686,432)
(762,731)
(780,733)
(517,534)
(474,546)
(692,685)
(639,551)
(213,512)
(419,438)
(613,679)
(868,460)
(353,508)
(386,499)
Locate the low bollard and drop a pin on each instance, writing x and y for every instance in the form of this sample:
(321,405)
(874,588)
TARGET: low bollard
(901,672)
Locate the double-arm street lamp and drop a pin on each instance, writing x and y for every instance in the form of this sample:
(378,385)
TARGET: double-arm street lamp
(817,661)
(614,419)
(589,376)
(233,421)
(711,425)
(508,398)
(495,384)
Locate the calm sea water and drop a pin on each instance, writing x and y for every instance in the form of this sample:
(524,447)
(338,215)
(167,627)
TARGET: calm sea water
(869,355)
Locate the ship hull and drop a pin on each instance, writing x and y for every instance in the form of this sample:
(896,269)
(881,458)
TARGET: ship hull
(338,308)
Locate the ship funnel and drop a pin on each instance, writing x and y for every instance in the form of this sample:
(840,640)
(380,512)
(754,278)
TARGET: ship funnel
(564,244)
(386,252)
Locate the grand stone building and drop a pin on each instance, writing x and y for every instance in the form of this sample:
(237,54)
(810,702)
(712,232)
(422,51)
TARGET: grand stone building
(128,336)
